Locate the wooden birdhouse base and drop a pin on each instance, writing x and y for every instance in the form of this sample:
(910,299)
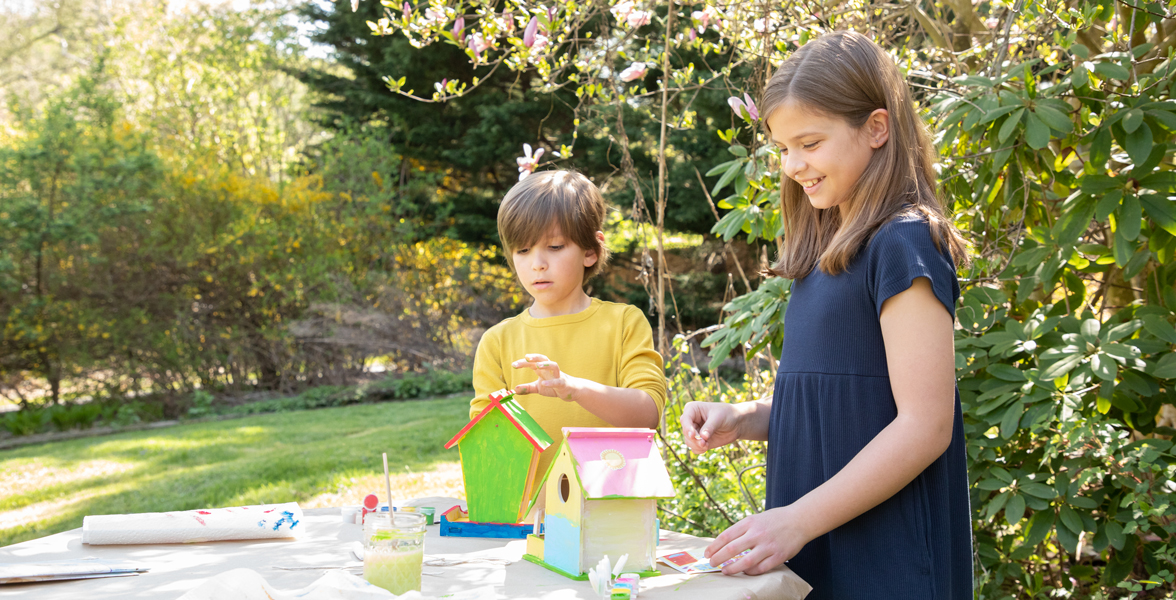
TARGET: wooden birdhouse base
(582,576)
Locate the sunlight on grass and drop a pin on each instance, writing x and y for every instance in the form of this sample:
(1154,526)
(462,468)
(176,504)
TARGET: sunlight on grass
(326,457)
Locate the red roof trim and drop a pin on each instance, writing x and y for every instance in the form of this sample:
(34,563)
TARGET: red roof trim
(495,402)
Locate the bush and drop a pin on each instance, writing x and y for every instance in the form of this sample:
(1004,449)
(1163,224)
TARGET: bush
(26,421)
(74,416)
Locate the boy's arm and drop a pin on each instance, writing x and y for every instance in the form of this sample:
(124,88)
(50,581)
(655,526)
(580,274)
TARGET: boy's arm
(488,375)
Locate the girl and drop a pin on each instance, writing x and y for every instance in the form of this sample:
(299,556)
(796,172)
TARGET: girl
(867,480)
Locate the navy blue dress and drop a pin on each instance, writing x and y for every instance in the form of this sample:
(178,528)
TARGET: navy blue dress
(833,396)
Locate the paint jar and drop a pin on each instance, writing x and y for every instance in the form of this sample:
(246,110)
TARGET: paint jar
(631,581)
(393,550)
(429,513)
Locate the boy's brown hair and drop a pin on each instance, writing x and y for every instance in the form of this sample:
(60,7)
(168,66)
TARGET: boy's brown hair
(563,198)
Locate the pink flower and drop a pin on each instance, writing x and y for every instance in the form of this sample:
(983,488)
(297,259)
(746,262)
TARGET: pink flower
(508,21)
(433,17)
(529,33)
(541,42)
(459,29)
(693,34)
(407,11)
(527,162)
(354,5)
(550,15)
(440,86)
(478,44)
(706,17)
(621,11)
(751,109)
(635,71)
(741,109)
(638,18)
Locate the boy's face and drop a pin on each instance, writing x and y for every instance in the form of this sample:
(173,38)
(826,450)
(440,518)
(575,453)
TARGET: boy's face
(552,271)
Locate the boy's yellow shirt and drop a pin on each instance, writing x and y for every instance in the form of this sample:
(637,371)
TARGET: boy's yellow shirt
(609,343)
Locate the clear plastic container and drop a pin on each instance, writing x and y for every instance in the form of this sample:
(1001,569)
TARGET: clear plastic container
(394,548)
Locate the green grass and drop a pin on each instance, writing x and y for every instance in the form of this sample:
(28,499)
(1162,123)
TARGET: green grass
(268,458)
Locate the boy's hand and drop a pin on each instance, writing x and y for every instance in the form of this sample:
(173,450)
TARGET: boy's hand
(551,382)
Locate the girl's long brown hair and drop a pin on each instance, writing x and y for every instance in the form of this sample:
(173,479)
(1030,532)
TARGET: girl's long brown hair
(846,75)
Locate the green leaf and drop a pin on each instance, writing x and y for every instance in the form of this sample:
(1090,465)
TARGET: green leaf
(1107,205)
(1166,367)
(738,150)
(1160,327)
(1010,124)
(1061,367)
(1115,534)
(1132,120)
(720,168)
(1104,367)
(1038,490)
(1073,223)
(1071,520)
(1037,133)
(1130,217)
(1089,330)
(732,172)
(1014,509)
(1139,144)
(1100,149)
(1160,210)
(1007,372)
(1113,70)
(1012,417)
(1054,118)
(1039,527)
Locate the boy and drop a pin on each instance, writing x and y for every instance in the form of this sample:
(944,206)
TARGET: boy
(572,360)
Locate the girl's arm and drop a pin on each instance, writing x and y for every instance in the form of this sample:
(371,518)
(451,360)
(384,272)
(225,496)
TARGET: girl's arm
(920,357)
(709,425)
(619,407)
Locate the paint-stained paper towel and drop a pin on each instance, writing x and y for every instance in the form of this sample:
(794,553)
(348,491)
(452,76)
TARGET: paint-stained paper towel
(236,523)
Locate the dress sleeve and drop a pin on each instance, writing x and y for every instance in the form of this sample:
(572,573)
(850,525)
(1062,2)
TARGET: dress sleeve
(903,251)
(488,375)
(641,367)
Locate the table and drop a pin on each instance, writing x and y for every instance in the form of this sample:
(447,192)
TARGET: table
(178,568)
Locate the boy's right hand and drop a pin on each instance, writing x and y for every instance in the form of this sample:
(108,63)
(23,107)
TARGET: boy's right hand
(709,425)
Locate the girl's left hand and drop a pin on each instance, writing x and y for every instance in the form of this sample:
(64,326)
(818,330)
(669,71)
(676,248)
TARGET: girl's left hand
(551,381)
(773,537)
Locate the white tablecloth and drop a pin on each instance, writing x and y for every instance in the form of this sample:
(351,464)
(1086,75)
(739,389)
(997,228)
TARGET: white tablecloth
(178,568)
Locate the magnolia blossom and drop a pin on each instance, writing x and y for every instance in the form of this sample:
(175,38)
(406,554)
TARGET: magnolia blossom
(739,106)
(478,44)
(621,11)
(508,23)
(440,86)
(541,42)
(435,17)
(354,5)
(459,29)
(706,18)
(638,18)
(529,32)
(635,71)
(406,10)
(528,162)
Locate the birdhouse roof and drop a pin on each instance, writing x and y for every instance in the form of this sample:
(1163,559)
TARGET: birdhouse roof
(618,463)
(504,401)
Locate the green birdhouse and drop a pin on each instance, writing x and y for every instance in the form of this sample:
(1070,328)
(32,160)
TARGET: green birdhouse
(500,451)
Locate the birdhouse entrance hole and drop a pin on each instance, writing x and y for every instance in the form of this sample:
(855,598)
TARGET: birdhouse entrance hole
(565,488)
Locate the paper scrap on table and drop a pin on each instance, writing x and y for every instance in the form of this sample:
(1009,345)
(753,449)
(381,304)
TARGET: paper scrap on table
(207,525)
(247,584)
(695,561)
(59,570)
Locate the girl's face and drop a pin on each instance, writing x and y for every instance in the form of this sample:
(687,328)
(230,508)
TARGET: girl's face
(824,154)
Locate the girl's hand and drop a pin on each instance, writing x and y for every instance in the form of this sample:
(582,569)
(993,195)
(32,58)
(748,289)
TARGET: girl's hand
(709,425)
(772,536)
(551,382)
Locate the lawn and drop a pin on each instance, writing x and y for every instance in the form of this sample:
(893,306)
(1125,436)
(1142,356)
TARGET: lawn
(317,458)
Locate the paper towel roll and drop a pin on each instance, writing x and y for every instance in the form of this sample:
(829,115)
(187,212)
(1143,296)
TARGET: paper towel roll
(236,523)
